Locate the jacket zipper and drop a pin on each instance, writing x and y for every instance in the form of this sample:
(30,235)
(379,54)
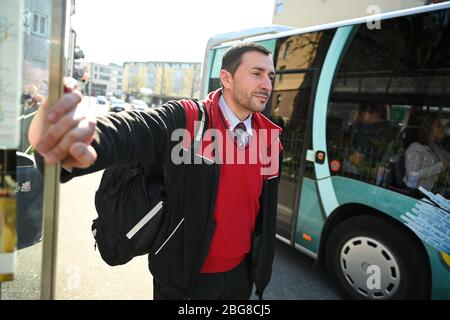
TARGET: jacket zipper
(170,236)
(205,243)
(264,231)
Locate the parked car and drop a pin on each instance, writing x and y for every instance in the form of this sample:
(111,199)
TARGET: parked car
(138,105)
(102,100)
(117,105)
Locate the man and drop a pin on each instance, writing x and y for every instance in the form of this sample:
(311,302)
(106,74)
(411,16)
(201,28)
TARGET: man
(219,238)
(374,132)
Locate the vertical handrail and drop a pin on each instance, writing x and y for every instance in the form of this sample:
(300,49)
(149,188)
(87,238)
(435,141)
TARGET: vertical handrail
(51,175)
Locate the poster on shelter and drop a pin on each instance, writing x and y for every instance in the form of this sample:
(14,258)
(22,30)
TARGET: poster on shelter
(11,43)
(8,235)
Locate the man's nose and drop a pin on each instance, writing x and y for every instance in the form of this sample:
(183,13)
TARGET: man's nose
(267,84)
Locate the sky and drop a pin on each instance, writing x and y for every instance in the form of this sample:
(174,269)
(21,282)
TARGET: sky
(115,31)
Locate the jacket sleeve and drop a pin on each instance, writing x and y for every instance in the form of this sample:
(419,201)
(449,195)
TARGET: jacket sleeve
(127,137)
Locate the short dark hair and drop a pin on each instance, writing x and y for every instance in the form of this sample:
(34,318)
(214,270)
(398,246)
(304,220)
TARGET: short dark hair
(233,57)
(378,108)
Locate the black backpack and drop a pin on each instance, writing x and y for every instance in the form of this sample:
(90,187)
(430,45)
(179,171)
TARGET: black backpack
(130,203)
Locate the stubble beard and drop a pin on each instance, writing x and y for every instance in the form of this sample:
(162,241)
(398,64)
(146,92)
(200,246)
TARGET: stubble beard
(250,103)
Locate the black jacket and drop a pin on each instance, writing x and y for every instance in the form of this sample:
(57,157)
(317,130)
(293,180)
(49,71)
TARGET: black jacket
(183,243)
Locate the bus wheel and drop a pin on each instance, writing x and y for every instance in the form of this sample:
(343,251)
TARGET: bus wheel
(369,258)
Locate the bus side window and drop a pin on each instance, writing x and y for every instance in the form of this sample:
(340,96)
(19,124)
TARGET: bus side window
(400,68)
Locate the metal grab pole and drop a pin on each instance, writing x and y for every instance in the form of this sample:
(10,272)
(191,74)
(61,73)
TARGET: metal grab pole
(51,175)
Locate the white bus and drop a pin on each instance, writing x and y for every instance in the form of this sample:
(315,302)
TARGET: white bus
(357,101)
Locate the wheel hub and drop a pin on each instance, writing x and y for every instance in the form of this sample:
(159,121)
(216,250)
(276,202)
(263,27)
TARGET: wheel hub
(370,268)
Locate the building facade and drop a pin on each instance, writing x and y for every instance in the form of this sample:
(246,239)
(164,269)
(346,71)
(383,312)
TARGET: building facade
(100,79)
(313,12)
(159,81)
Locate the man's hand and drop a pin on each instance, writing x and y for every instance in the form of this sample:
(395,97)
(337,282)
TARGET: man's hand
(63,132)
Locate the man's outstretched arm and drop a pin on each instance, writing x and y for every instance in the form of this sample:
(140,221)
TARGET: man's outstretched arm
(66,134)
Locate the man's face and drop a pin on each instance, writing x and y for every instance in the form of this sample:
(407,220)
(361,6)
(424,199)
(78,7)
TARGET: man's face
(251,84)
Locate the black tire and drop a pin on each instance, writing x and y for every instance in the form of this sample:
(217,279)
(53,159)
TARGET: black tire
(370,241)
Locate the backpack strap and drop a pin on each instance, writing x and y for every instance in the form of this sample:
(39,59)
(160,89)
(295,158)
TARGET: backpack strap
(201,118)
(200,130)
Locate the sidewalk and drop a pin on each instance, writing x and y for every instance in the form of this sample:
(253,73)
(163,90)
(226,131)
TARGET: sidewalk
(81,273)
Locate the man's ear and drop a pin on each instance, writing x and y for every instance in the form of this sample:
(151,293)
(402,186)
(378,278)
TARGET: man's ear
(225,78)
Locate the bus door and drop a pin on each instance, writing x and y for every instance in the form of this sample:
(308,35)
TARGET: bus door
(291,110)
(297,63)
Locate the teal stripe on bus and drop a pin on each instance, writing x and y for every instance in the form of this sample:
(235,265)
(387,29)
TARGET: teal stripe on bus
(326,191)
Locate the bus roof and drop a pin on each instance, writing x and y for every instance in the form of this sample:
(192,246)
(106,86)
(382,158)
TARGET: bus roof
(277,31)
(293,31)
